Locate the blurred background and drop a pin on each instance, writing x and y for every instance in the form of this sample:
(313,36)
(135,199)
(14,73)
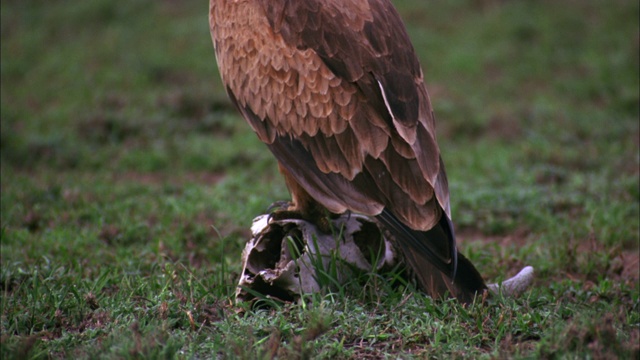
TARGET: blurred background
(104,101)
(536,105)
(119,147)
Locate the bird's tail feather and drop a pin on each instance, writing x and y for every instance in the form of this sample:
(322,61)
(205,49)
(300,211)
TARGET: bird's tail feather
(467,284)
(434,260)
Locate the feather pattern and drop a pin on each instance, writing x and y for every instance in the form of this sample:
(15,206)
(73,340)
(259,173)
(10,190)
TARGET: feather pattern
(335,90)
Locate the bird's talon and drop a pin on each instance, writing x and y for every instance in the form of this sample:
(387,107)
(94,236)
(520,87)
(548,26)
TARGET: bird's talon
(285,215)
(278,206)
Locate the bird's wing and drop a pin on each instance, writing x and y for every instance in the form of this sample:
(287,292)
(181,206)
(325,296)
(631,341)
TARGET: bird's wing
(336,91)
(377,75)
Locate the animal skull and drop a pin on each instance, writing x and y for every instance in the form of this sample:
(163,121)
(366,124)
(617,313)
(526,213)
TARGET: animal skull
(290,257)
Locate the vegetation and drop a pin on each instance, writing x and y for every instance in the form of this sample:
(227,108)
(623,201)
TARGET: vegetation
(129,185)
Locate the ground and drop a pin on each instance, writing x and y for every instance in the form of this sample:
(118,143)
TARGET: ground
(129,184)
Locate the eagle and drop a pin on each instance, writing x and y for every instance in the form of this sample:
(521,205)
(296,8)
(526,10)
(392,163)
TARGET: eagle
(335,90)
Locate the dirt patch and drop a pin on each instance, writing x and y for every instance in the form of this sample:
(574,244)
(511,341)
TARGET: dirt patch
(630,264)
(599,338)
(624,264)
(162,178)
(518,237)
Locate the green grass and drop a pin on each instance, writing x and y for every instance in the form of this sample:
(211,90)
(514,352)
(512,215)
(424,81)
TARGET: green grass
(129,184)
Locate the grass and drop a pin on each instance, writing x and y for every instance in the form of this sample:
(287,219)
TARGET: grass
(129,184)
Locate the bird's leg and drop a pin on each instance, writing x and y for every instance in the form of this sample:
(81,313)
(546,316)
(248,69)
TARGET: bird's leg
(302,206)
(282,210)
(288,210)
(317,215)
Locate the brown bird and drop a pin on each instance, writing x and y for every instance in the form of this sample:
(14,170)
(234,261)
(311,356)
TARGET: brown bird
(335,90)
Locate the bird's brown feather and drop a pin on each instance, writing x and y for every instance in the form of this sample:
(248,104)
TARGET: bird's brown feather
(334,88)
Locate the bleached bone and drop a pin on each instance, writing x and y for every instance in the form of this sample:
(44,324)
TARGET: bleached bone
(516,285)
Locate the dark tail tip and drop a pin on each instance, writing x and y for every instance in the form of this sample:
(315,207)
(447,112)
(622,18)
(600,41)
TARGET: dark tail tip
(434,259)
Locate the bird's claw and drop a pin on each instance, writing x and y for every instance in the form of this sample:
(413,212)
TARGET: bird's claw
(279,206)
(283,210)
